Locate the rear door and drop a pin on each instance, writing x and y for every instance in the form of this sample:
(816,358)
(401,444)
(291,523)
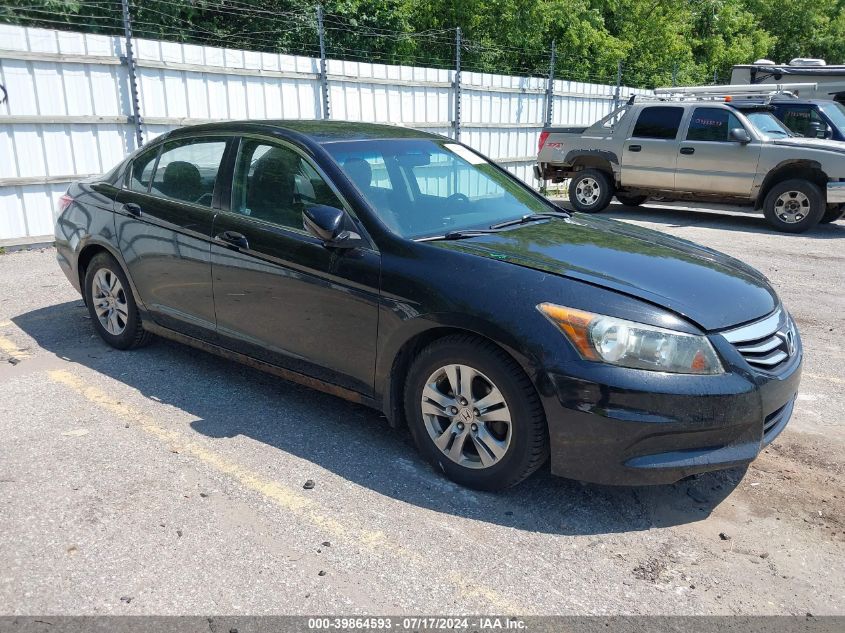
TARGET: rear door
(163,220)
(710,161)
(650,153)
(280,295)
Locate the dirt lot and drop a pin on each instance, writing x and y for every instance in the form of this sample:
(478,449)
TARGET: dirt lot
(169,481)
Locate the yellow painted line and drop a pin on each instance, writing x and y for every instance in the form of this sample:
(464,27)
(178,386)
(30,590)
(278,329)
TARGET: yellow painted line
(5,323)
(11,349)
(283,496)
(833,379)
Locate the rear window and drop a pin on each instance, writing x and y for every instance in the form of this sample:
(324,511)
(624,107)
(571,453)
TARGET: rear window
(658,122)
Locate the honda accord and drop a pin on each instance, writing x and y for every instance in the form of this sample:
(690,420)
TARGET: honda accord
(406,271)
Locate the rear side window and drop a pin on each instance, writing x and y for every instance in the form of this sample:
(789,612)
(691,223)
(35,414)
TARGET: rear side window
(712,124)
(141,172)
(187,170)
(658,122)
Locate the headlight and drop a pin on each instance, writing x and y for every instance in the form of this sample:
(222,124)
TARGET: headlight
(636,345)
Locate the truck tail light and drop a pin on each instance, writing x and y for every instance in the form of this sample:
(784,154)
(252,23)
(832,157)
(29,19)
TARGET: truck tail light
(543,136)
(64,202)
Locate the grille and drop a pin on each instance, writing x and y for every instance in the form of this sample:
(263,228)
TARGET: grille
(766,343)
(776,421)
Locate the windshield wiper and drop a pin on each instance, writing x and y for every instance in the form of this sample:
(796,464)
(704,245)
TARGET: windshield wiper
(532,217)
(457,235)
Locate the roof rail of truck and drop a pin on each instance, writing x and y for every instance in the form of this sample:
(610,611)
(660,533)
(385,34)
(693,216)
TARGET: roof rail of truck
(726,92)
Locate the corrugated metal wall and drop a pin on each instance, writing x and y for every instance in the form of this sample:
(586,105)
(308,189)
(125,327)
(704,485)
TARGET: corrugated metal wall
(68,112)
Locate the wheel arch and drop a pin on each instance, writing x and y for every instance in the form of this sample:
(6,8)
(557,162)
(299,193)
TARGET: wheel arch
(602,160)
(393,382)
(791,169)
(88,252)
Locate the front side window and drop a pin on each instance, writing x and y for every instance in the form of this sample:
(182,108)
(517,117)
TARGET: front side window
(422,187)
(141,172)
(661,122)
(767,124)
(712,124)
(804,121)
(187,170)
(274,183)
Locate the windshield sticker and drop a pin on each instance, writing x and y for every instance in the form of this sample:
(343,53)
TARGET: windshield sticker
(468,155)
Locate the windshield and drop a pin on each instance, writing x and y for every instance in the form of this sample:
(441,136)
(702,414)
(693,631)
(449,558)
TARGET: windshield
(836,113)
(423,188)
(767,124)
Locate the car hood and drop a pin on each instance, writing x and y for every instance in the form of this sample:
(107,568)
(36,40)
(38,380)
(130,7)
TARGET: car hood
(709,288)
(837,147)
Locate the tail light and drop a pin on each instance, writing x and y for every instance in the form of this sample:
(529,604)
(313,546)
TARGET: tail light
(64,202)
(543,136)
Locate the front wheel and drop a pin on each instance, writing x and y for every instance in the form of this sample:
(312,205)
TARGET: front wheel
(474,413)
(794,206)
(631,200)
(591,190)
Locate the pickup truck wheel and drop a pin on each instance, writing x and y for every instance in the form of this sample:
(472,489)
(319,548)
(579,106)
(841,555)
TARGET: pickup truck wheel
(833,213)
(631,201)
(591,190)
(794,206)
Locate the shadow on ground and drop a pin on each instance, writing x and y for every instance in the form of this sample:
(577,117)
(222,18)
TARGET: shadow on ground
(744,221)
(354,442)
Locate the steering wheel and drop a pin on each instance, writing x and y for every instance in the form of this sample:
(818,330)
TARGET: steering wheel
(458,197)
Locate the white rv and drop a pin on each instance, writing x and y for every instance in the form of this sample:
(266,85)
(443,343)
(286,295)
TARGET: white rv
(830,79)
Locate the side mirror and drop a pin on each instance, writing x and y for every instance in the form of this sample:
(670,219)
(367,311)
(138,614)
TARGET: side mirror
(329,225)
(740,135)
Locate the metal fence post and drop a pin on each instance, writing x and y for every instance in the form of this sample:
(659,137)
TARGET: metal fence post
(324,77)
(550,89)
(456,124)
(616,93)
(675,74)
(129,60)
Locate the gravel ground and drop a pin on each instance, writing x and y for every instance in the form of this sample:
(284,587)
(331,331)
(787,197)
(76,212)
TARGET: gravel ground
(168,481)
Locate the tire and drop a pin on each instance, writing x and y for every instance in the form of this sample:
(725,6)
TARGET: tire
(630,200)
(517,448)
(591,191)
(111,304)
(794,206)
(833,213)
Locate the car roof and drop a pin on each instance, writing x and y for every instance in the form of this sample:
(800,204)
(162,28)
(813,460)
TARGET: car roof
(316,131)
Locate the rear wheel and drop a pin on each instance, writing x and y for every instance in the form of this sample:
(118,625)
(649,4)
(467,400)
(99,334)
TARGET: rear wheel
(111,305)
(630,200)
(794,206)
(591,190)
(474,413)
(833,213)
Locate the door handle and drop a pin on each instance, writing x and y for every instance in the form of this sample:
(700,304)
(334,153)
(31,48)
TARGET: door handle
(634,148)
(233,238)
(687,150)
(130,208)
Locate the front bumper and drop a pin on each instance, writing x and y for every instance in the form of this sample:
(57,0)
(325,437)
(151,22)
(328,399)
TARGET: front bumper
(835,192)
(611,425)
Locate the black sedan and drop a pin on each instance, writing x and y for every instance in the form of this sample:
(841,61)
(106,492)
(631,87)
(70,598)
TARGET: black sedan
(407,272)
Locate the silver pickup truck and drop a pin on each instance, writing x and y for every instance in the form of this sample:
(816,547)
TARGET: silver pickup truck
(704,150)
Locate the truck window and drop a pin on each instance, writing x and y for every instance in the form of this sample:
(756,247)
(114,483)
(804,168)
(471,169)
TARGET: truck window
(658,122)
(803,120)
(711,124)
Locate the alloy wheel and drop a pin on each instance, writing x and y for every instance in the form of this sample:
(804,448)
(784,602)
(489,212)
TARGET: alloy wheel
(109,300)
(587,191)
(466,416)
(792,206)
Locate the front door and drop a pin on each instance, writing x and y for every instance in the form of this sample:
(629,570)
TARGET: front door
(280,295)
(651,151)
(710,161)
(163,220)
